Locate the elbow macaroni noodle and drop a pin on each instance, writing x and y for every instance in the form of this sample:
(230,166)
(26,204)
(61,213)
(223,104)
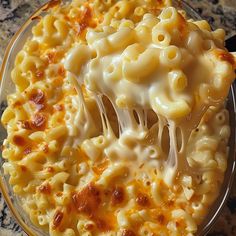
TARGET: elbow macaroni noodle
(117,125)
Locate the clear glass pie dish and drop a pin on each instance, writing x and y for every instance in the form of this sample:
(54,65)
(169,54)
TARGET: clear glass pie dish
(7,87)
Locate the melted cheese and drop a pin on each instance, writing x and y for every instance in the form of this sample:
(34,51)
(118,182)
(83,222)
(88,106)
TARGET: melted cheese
(133,75)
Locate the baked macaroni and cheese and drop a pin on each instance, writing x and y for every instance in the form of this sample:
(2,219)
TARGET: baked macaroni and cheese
(117,125)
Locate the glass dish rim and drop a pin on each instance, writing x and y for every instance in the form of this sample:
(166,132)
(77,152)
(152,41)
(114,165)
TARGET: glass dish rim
(19,219)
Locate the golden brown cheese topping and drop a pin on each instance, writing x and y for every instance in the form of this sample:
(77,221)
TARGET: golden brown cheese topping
(87,201)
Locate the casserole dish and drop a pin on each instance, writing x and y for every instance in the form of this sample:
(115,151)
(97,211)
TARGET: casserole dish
(7,87)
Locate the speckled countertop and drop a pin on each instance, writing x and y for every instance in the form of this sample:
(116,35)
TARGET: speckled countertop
(219,13)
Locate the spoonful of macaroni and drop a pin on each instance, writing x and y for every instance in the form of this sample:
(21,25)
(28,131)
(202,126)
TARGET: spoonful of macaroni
(175,67)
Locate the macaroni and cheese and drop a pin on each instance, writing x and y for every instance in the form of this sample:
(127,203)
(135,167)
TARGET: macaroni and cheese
(117,125)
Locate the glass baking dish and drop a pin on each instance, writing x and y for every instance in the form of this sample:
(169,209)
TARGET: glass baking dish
(7,87)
